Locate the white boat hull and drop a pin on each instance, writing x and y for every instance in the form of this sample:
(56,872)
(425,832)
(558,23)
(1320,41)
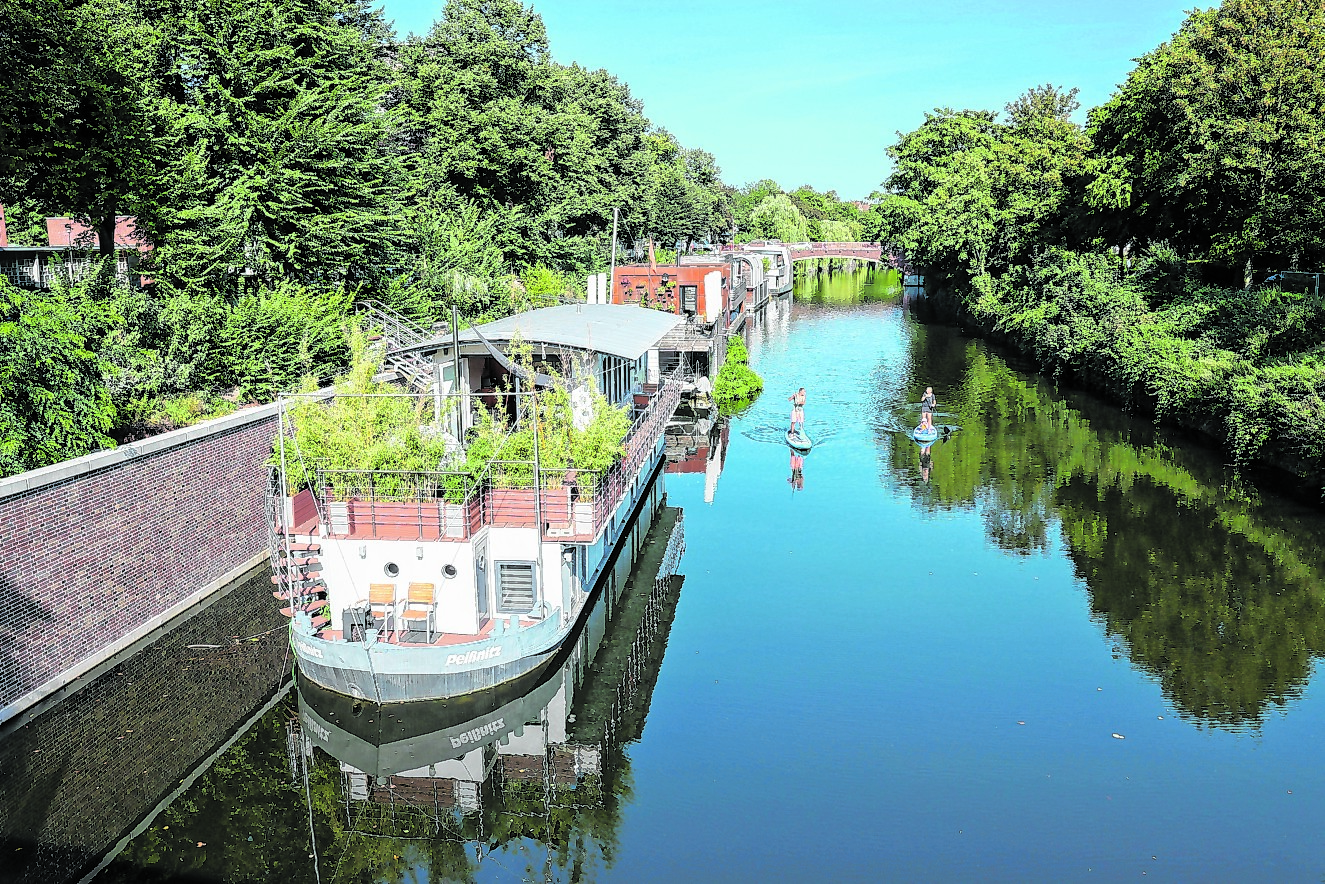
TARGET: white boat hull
(382,672)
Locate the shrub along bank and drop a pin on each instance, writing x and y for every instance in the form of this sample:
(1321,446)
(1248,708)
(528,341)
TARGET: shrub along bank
(1245,368)
(737,384)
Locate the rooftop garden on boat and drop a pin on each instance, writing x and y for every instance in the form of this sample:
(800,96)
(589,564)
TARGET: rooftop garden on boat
(536,419)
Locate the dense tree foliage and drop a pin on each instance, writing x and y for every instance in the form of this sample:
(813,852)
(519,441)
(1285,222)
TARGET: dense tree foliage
(52,398)
(764,211)
(1145,251)
(285,158)
(1216,142)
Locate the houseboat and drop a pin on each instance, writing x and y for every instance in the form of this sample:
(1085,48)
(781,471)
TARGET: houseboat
(711,294)
(428,585)
(457,744)
(777,266)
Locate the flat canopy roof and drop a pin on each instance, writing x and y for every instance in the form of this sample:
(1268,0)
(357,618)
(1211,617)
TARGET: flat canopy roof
(621,330)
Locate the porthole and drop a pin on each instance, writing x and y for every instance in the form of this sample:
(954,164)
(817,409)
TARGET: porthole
(392,569)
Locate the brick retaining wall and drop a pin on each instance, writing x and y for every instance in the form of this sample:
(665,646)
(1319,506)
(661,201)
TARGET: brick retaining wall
(97,551)
(80,776)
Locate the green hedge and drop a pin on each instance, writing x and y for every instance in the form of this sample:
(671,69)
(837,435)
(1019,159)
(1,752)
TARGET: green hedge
(737,384)
(1246,366)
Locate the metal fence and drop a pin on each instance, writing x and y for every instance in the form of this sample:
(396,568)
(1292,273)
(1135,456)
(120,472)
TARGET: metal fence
(453,505)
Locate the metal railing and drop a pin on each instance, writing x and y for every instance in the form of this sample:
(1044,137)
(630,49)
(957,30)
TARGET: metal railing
(399,504)
(453,505)
(400,333)
(399,330)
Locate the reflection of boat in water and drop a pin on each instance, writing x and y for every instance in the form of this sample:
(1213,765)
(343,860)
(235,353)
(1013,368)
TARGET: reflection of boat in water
(450,760)
(798,440)
(697,443)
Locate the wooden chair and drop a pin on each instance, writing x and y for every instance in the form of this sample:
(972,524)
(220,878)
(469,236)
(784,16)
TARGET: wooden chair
(424,596)
(382,601)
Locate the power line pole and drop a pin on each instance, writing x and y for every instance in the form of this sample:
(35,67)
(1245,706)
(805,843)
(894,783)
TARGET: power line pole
(611,279)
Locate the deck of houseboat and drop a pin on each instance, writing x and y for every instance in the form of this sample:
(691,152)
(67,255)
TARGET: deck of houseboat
(409,639)
(573,507)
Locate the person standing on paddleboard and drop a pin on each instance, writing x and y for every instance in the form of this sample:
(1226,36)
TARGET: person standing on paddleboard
(797,401)
(927,406)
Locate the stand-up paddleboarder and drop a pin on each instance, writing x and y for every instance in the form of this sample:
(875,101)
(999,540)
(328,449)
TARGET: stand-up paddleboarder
(927,406)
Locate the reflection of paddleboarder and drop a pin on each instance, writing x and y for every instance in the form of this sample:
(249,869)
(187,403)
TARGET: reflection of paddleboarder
(797,480)
(926,463)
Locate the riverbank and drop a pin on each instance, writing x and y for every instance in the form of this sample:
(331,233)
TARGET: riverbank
(1239,370)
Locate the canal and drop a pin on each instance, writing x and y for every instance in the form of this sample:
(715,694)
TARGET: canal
(1056,645)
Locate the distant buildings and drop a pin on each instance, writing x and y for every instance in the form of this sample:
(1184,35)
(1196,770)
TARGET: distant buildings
(70,250)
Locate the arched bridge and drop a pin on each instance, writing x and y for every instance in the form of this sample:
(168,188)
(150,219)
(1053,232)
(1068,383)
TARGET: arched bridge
(871,252)
(861,251)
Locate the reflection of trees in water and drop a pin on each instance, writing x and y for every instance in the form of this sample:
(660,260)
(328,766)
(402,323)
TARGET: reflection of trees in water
(841,288)
(1225,627)
(1218,596)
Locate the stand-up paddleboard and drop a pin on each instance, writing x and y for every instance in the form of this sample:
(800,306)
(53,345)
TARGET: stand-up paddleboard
(798,440)
(920,434)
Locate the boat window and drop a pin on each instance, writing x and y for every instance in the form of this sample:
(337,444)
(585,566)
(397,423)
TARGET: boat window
(515,587)
(392,569)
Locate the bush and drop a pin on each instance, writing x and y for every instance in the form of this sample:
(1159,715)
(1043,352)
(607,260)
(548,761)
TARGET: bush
(148,416)
(54,403)
(361,429)
(272,339)
(737,384)
(1246,364)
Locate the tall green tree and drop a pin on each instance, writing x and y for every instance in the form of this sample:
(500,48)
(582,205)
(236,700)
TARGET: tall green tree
(1216,142)
(490,118)
(970,195)
(83,136)
(282,171)
(777,218)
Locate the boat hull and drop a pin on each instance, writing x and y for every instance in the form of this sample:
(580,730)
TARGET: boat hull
(381,672)
(384,673)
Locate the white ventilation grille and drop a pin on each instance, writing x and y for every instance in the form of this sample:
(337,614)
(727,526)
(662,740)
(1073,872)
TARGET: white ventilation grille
(515,586)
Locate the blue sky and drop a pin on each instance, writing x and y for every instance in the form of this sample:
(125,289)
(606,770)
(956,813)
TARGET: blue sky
(812,91)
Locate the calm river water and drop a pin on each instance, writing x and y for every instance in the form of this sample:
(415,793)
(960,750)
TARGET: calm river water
(1056,646)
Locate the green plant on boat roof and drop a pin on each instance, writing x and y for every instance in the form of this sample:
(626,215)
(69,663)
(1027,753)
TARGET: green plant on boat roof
(562,447)
(737,384)
(360,428)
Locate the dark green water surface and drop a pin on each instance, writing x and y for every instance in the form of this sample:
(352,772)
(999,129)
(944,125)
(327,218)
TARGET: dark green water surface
(1055,646)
